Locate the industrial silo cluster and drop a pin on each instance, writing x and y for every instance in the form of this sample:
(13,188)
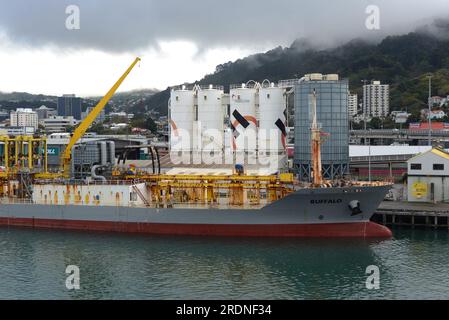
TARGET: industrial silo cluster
(251,118)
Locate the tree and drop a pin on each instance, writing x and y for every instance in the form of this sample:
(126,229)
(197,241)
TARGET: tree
(356,126)
(119,119)
(140,121)
(375,123)
(388,123)
(40,128)
(69,129)
(414,117)
(97,128)
(151,125)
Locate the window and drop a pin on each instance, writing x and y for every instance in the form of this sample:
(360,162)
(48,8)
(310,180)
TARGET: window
(133,196)
(415,166)
(438,166)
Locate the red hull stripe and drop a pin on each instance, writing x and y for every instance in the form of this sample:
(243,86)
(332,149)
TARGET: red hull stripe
(359,229)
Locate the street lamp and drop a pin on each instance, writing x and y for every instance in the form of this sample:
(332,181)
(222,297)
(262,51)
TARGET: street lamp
(369,160)
(365,108)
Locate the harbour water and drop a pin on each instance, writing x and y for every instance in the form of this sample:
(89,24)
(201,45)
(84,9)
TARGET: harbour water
(414,264)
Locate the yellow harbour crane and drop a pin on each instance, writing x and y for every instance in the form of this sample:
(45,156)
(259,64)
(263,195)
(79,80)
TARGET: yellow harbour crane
(86,123)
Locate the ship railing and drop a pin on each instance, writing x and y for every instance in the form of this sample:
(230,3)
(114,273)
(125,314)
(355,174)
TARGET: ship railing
(210,87)
(288,83)
(11,200)
(188,87)
(174,205)
(86,183)
(248,85)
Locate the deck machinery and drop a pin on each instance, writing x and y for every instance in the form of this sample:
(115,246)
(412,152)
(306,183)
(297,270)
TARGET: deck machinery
(21,159)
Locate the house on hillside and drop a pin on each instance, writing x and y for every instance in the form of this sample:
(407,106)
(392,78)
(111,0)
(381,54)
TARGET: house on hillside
(436,100)
(434,115)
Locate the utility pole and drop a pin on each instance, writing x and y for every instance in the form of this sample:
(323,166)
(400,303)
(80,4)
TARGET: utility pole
(369,161)
(364,107)
(430,109)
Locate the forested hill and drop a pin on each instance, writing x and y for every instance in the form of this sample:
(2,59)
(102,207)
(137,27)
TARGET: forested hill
(401,61)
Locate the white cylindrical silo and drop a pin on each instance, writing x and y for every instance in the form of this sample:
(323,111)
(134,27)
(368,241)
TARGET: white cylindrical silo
(243,118)
(272,120)
(182,116)
(210,117)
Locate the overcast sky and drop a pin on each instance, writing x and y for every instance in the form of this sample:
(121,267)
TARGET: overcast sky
(179,41)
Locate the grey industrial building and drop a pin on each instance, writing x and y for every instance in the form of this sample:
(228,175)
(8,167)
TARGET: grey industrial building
(89,155)
(332,114)
(43,112)
(57,143)
(69,105)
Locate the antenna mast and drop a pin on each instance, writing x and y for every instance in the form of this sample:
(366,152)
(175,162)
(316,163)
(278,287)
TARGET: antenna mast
(316,145)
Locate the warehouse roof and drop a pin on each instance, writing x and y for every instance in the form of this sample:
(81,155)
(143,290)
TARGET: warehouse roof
(439,152)
(364,151)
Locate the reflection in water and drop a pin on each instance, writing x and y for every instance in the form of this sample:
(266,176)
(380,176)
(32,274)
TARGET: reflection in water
(33,262)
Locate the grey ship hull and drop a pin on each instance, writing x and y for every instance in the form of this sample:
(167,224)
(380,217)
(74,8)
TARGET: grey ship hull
(305,213)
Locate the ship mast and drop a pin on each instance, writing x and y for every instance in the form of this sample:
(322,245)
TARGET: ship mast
(316,145)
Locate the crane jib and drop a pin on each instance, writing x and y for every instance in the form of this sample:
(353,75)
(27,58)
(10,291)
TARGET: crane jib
(87,122)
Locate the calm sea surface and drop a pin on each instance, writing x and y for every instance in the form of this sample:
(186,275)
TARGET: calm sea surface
(414,264)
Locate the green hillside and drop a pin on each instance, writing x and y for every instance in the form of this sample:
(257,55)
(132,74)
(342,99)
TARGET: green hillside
(401,61)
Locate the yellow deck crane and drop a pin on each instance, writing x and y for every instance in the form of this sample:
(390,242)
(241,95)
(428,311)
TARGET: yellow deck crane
(84,125)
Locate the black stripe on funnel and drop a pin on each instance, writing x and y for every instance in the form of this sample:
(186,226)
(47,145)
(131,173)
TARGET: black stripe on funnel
(281,126)
(240,119)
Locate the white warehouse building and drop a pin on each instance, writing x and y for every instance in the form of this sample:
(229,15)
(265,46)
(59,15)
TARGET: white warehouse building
(428,177)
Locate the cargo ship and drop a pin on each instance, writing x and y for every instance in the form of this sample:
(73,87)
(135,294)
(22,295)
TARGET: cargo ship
(307,212)
(237,204)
